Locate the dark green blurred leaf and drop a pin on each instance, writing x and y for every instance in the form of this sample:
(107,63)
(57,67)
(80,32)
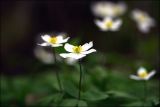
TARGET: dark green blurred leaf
(69,103)
(71,89)
(94,95)
(73,103)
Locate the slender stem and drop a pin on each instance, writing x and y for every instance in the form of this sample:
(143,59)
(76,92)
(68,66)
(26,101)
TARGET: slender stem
(80,80)
(57,73)
(145,92)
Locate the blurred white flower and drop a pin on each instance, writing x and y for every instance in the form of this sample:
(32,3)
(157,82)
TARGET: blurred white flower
(53,41)
(143,20)
(108,24)
(77,52)
(71,61)
(45,56)
(104,8)
(142,74)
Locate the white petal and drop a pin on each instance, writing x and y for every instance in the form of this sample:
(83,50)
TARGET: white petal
(63,40)
(70,61)
(101,25)
(116,25)
(86,46)
(144,27)
(43,55)
(72,55)
(103,8)
(59,37)
(89,51)
(135,77)
(107,19)
(44,44)
(150,74)
(56,45)
(122,7)
(68,47)
(46,38)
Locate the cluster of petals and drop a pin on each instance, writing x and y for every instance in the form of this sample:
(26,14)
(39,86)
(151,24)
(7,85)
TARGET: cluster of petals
(143,20)
(142,74)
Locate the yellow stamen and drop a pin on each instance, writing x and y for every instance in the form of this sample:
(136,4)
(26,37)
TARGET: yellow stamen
(142,17)
(109,24)
(143,74)
(77,49)
(53,40)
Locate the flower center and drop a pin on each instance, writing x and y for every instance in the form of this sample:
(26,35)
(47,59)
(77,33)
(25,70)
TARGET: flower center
(142,18)
(53,40)
(143,74)
(77,49)
(109,24)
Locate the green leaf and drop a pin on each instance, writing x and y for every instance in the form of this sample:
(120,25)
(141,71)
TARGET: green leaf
(73,103)
(71,89)
(82,103)
(94,95)
(120,94)
(46,100)
(58,97)
(69,103)
(133,104)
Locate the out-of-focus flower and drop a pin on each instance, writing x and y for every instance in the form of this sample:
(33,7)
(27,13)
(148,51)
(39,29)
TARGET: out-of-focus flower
(77,52)
(104,8)
(108,24)
(45,56)
(53,41)
(70,61)
(144,21)
(142,74)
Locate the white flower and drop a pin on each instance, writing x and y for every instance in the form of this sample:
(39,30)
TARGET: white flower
(53,41)
(45,56)
(77,52)
(142,74)
(104,8)
(143,20)
(71,61)
(108,24)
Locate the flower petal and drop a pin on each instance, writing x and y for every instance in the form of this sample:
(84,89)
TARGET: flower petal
(44,44)
(101,25)
(56,45)
(89,51)
(107,19)
(135,77)
(63,40)
(68,47)
(144,27)
(46,38)
(116,25)
(150,74)
(86,46)
(72,55)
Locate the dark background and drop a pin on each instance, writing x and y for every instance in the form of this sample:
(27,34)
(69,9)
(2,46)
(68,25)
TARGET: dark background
(22,22)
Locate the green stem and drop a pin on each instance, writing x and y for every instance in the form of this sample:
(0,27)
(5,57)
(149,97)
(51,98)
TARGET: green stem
(145,92)
(80,80)
(57,73)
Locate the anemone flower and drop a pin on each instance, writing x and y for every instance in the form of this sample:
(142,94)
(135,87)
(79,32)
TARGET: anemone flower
(143,20)
(108,24)
(142,74)
(105,8)
(53,41)
(77,52)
